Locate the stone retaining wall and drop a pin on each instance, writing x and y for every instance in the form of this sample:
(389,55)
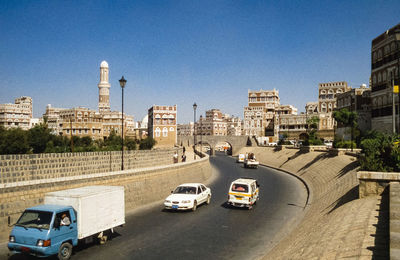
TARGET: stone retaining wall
(28,167)
(142,186)
(335,223)
(394,223)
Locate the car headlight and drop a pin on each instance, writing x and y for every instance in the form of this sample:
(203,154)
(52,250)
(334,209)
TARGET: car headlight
(43,243)
(185,201)
(12,239)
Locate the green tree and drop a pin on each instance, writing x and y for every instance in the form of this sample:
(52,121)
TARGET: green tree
(347,119)
(381,152)
(13,141)
(38,137)
(147,143)
(312,138)
(130,143)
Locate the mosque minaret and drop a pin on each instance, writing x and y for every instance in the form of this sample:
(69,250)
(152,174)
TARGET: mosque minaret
(104,88)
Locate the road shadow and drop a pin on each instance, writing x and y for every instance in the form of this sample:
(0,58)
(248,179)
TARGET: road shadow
(381,249)
(227,206)
(348,168)
(347,197)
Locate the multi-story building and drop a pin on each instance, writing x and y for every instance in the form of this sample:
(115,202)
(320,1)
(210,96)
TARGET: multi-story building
(234,126)
(185,129)
(357,100)
(82,121)
(162,125)
(327,93)
(385,62)
(293,126)
(260,116)
(213,124)
(18,114)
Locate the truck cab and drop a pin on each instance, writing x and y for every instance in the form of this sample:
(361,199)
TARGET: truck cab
(41,231)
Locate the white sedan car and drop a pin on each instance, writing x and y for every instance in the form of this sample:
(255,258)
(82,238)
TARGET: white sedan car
(188,196)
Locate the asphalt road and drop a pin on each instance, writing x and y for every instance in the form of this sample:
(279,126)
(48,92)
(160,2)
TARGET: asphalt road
(214,231)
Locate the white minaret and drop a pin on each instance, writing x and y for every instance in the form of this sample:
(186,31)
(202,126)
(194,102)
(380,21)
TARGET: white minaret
(104,88)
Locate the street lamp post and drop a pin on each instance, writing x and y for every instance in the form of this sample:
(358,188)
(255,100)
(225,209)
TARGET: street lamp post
(201,133)
(194,130)
(122,83)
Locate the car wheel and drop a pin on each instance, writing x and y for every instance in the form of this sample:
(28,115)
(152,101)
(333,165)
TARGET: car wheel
(65,251)
(208,199)
(194,206)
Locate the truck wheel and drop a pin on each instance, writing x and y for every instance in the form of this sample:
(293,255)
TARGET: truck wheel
(65,251)
(194,206)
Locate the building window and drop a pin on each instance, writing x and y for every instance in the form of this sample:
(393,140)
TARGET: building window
(171,129)
(157,132)
(165,132)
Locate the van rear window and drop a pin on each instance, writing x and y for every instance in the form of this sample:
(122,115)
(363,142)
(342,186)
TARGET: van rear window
(240,187)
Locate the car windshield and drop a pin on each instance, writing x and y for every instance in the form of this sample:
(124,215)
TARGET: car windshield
(185,190)
(240,187)
(35,219)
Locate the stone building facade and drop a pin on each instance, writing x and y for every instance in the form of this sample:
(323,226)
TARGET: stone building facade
(18,114)
(162,125)
(260,117)
(327,93)
(357,100)
(385,62)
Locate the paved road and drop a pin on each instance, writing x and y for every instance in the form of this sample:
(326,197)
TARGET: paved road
(214,231)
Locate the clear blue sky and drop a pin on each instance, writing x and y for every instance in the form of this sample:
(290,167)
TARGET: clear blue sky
(181,52)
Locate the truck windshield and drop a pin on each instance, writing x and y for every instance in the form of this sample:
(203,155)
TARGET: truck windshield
(35,219)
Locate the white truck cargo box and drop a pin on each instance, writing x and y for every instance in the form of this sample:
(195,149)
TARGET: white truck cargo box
(98,207)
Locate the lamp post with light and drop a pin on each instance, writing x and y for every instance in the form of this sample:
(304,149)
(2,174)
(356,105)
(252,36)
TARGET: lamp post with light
(122,83)
(194,130)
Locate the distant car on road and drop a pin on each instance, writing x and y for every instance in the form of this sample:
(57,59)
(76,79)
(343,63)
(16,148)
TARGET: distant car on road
(188,196)
(272,144)
(243,192)
(240,158)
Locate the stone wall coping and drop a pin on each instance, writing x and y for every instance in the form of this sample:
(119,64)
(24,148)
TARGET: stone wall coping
(103,174)
(387,176)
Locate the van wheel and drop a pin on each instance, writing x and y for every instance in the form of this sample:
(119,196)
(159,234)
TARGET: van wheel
(208,199)
(65,251)
(194,206)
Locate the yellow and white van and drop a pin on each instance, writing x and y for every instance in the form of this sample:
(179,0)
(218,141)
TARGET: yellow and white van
(243,192)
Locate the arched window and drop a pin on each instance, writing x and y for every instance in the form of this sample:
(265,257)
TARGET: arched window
(165,132)
(323,108)
(157,132)
(379,77)
(171,129)
(374,79)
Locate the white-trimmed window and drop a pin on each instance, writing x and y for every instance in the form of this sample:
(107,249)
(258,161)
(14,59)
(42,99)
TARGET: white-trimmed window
(171,129)
(157,132)
(165,132)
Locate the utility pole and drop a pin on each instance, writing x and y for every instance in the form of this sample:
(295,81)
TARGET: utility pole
(72,137)
(394,91)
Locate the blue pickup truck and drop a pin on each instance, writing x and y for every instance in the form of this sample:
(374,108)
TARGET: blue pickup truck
(66,217)
(39,232)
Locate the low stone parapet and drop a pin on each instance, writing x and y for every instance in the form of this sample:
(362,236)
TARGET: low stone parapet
(394,220)
(374,183)
(344,151)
